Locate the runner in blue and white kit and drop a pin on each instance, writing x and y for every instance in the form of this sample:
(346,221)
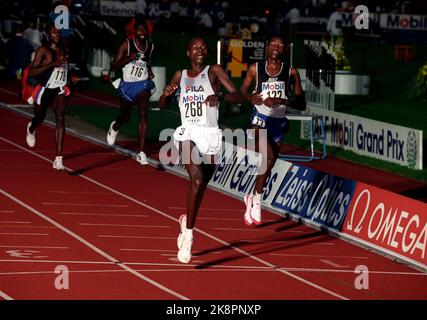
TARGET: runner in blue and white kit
(199,99)
(136,85)
(274,81)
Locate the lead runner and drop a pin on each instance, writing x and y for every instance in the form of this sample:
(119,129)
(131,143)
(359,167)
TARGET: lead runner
(199,132)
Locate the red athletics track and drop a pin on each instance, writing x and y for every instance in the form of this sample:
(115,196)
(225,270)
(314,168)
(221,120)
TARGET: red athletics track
(114,225)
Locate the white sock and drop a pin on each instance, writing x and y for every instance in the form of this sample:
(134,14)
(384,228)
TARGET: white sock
(188,233)
(257,197)
(59,157)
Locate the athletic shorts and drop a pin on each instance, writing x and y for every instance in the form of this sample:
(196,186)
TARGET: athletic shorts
(276,127)
(207,140)
(129,91)
(44,96)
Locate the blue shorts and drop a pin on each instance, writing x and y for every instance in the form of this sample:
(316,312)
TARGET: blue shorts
(276,127)
(129,91)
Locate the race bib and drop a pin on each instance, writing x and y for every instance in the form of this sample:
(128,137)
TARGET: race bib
(193,110)
(257,121)
(58,78)
(135,71)
(275,89)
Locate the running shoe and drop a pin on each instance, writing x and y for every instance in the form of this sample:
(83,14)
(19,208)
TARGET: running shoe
(142,158)
(57,164)
(112,134)
(248,199)
(31,138)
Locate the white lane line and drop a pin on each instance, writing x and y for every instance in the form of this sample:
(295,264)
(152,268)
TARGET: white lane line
(352,271)
(290,241)
(148,250)
(315,256)
(23,233)
(59,261)
(5,296)
(170,217)
(227,219)
(257,230)
(105,214)
(33,247)
(135,237)
(10,92)
(162,250)
(96,100)
(121,225)
(24,222)
(139,270)
(93,247)
(78,192)
(333,264)
(210,209)
(84,204)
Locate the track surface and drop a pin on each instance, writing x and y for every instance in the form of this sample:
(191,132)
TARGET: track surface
(113,224)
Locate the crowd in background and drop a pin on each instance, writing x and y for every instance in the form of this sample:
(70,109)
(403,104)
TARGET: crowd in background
(22,21)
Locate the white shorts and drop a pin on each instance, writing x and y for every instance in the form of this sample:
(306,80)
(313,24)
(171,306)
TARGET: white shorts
(207,140)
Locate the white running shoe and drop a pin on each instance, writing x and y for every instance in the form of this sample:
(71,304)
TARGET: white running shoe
(184,241)
(183,225)
(184,253)
(142,158)
(256,210)
(112,134)
(248,202)
(57,164)
(31,138)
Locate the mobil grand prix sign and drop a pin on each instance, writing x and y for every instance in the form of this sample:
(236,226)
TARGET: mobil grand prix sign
(403,22)
(389,221)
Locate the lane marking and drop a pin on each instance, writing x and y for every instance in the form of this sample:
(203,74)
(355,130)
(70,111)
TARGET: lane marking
(104,214)
(333,264)
(33,247)
(164,250)
(315,256)
(93,247)
(135,237)
(290,241)
(257,230)
(78,192)
(7,211)
(122,225)
(85,204)
(5,296)
(245,253)
(23,233)
(24,222)
(210,209)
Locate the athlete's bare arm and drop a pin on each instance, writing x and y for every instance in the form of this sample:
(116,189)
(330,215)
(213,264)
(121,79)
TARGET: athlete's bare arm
(250,77)
(41,62)
(218,76)
(299,103)
(169,90)
(121,57)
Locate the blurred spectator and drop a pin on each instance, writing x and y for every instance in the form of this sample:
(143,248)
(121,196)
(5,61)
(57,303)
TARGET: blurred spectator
(292,19)
(19,52)
(205,23)
(335,22)
(141,6)
(33,35)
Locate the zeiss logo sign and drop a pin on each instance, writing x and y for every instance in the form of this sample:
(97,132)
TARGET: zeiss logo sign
(314,195)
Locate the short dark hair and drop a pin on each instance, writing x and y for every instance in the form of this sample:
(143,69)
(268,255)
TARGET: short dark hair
(140,21)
